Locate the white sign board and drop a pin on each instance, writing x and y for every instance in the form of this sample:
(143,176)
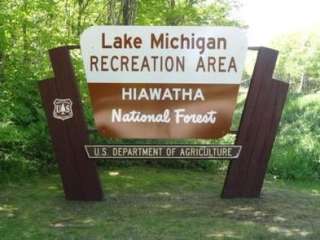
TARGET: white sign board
(140,54)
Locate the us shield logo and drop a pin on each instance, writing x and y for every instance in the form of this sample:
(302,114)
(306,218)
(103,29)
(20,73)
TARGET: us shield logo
(62,109)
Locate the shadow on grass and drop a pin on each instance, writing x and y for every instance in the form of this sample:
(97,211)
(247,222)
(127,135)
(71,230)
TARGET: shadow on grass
(150,203)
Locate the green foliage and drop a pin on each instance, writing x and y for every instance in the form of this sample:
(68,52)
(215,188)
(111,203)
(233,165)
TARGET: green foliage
(299,60)
(29,28)
(196,12)
(296,153)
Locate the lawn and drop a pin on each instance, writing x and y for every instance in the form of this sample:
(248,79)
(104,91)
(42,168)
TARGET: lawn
(153,203)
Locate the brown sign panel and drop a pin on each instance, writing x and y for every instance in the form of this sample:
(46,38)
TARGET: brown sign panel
(116,117)
(163,82)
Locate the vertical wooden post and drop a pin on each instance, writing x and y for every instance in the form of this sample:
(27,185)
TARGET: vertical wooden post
(79,174)
(258,127)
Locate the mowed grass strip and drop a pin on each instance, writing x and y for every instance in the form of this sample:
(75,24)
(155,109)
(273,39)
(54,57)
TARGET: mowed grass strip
(154,203)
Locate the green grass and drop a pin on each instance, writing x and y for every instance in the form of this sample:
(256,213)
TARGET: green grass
(151,203)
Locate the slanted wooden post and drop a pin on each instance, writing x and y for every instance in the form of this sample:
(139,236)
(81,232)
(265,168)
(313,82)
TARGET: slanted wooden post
(79,174)
(258,128)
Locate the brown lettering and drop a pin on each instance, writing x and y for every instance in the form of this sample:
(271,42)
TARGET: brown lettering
(222,64)
(200,65)
(104,63)
(155,43)
(232,65)
(137,42)
(104,41)
(211,63)
(94,62)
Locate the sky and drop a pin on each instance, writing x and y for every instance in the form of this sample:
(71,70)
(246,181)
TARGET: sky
(269,18)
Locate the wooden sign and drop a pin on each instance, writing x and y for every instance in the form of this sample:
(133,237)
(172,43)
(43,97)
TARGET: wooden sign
(163,82)
(69,131)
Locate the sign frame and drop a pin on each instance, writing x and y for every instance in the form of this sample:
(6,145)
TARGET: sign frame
(256,134)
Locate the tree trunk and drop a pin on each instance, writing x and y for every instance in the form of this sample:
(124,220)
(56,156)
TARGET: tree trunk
(25,43)
(79,17)
(171,18)
(82,6)
(128,12)
(303,82)
(172,4)
(112,12)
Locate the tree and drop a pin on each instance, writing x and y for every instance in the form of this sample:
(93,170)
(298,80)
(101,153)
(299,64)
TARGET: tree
(299,60)
(186,12)
(129,12)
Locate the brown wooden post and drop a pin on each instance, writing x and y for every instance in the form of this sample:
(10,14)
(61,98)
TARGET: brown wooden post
(79,174)
(258,127)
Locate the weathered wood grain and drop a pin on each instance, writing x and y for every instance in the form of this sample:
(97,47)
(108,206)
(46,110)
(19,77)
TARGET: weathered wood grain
(79,174)
(258,127)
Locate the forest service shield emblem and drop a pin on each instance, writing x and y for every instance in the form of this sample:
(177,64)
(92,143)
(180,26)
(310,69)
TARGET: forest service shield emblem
(62,109)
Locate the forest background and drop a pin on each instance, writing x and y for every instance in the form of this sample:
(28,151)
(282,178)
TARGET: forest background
(29,28)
